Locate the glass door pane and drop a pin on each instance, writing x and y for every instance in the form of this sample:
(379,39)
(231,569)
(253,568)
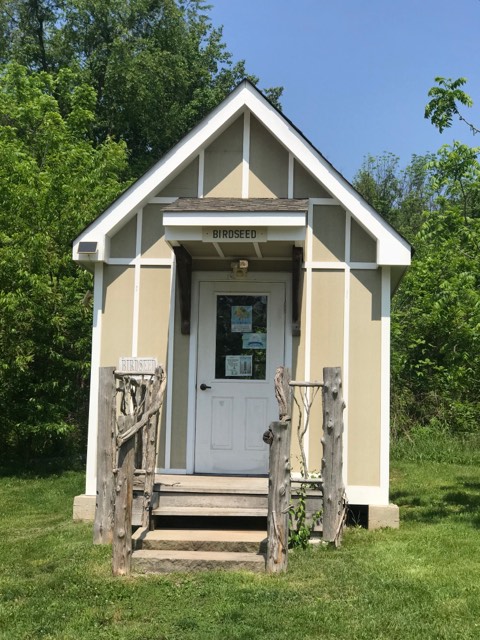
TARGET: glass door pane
(241,337)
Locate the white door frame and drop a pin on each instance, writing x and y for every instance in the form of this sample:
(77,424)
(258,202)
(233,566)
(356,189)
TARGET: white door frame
(222,276)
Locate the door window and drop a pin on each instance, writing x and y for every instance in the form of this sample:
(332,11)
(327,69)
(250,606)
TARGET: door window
(241,337)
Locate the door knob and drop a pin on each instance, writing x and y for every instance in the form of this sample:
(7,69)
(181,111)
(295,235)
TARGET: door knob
(204,386)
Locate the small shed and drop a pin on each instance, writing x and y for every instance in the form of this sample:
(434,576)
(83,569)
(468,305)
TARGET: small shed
(244,249)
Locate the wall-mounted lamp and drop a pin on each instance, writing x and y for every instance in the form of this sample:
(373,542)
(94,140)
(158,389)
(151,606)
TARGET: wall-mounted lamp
(239,269)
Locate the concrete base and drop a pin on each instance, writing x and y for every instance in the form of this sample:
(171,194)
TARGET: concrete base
(383,516)
(84,508)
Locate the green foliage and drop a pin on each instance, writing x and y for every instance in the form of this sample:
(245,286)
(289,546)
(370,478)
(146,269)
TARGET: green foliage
(301,525)
(400,195)
(53,181)
(442,107)
(434,202)
(91,93)
(156,66)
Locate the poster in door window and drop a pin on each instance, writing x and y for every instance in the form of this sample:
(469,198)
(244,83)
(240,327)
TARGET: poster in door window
(238,366)
(241,319)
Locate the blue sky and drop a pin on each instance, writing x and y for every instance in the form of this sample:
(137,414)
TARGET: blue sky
(356,72)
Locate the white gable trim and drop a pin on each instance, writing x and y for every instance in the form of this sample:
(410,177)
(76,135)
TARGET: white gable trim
(392,249)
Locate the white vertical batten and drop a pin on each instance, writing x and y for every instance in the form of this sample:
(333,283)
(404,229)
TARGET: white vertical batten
(290,176)
(136,287)
(91,475)
(385,388)
(308,314)
(246,155)
(346,341)
(170,356)
(201,172)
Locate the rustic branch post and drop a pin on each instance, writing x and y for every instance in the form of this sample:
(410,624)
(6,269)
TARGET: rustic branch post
(122,529)
(103,524)
(334,505)
(139,417)
(156,392)
(279,437)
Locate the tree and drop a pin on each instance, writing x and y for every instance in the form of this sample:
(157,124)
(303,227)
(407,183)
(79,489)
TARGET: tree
(400,195)
(53,181)
(157,66)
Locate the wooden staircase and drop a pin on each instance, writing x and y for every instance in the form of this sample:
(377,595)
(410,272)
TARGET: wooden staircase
(204,523)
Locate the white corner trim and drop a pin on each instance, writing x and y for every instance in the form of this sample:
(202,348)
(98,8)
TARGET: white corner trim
(365,495)
(246,155)
(346,345)
(91,472)
(385,383)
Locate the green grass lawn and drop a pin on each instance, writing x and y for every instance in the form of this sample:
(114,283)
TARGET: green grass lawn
(422,581)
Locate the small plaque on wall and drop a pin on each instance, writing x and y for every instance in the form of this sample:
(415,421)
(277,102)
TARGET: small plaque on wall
(137,366)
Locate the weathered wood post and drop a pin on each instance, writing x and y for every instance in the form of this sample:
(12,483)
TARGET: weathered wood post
(155,396)
(103,524)
(279,437)
(122,528)
(334,506)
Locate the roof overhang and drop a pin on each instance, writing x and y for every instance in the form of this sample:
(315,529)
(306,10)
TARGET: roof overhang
(236,227)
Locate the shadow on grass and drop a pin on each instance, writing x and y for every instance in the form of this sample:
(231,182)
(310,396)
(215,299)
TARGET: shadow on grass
(41,467)
(457,501)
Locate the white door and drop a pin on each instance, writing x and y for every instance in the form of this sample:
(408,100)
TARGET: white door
(241,336)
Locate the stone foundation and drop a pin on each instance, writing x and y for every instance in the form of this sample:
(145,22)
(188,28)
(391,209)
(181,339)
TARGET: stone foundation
(383,516)
(84,508)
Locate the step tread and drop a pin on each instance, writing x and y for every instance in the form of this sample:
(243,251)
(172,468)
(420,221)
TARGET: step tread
(210,535)
(209,511)
(199,556)
(212,484)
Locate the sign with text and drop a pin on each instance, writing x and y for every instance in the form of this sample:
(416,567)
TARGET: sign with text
(228,234)
(137,366)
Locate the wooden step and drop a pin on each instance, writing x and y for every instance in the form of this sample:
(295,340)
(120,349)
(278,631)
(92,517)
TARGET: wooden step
(148,561)
(196,499)
(238,541)
(207,511)
(230,485)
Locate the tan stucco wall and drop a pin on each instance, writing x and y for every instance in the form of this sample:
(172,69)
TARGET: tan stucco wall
(328,304)
(268,164)
(363,247)
(117,317)
(153,317)
(305,185)
(123,243)
(364,379)
(223,163)
(185,184)
(153,233)
(328,234)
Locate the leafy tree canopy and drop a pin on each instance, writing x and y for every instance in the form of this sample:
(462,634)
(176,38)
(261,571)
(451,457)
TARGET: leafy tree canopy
(156,66)
(53,180)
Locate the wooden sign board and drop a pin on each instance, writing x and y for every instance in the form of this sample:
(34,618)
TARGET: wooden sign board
(137,366)
(229,234)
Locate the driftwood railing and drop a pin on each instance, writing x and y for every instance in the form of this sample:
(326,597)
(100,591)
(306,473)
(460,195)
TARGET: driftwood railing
(127,445)
(278,437)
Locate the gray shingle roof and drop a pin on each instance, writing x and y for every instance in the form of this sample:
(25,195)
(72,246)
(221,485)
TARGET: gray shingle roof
(238,204)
